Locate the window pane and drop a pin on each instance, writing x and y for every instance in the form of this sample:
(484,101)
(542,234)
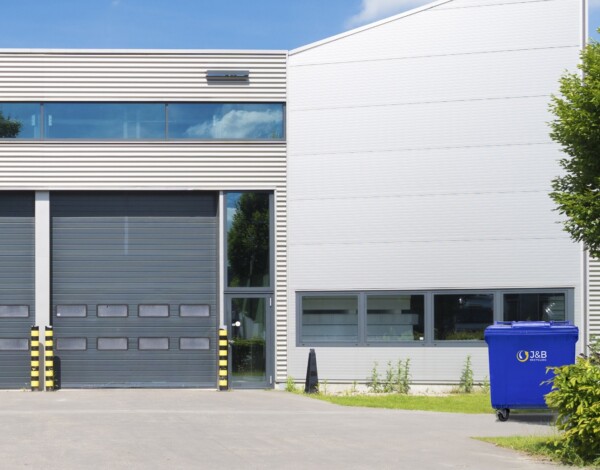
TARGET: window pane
(15,311)
(194,311)
(71,310)
(194,343)
(153,311)
(112,344)
(20,120)
(330,319)
(11,344)
(153,344)
(112,310)
(534,307)
(71,344)
(225,121)
(248,240)
(104,121)
(395,318)
(462,316)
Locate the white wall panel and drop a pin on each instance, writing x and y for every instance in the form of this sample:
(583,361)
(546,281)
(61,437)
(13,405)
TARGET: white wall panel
(427,172)
(447,217)
(419,158)
(443,264)
(443,30)
(429,79)
(350,364)
(509,121)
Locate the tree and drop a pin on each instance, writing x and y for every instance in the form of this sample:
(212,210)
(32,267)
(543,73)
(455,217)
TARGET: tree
(8,127)
(248,241)
(577,129)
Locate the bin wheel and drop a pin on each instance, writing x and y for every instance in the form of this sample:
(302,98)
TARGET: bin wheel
(503,414)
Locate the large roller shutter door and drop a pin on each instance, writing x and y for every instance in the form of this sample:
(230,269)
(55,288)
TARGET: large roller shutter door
(134,288)
(17,284)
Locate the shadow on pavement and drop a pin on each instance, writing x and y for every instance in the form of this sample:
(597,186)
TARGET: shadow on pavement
(531,417)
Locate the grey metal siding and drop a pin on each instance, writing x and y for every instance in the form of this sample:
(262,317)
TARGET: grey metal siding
(16,286)
(53,75)
(151,252)
(150,76)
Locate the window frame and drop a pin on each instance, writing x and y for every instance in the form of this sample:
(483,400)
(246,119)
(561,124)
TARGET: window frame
(429,314)
(164,139)
(225,235)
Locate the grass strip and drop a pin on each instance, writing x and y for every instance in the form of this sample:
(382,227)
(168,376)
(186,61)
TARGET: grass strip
(471,403)
(536,446)
(543,447)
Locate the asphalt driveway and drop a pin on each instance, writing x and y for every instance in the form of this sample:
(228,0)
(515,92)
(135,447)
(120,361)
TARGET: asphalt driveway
(180,429)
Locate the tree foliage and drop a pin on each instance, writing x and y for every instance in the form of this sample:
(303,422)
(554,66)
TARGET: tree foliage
(576,128)
(8,127)
(248,241)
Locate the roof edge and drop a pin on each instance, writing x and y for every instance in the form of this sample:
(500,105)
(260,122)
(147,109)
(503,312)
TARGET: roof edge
(368,26)
(140,51)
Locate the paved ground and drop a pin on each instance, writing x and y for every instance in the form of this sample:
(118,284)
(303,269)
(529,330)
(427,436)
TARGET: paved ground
(180,429)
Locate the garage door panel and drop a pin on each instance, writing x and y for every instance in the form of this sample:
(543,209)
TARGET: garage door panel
(17,286)
(135,250)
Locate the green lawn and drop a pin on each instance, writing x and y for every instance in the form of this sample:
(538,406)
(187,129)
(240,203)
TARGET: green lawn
(472,403)
(544,447)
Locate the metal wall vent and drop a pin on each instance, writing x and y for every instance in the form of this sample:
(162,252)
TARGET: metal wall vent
(227,75)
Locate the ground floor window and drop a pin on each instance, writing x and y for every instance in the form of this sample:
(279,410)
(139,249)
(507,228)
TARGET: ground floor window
(462,316)
(367,318)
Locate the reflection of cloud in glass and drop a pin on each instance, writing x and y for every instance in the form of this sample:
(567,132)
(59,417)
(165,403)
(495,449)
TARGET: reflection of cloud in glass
(232,200)
(239,124)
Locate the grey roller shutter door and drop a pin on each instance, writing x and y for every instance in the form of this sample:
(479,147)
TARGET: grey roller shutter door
(17,287)
(134,274)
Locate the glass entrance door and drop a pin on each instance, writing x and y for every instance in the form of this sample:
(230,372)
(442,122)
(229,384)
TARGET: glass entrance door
(249,326)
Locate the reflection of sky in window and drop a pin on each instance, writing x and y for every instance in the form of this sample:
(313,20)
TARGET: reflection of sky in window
(105,120)
(28,114)
(232,200)
(226,121)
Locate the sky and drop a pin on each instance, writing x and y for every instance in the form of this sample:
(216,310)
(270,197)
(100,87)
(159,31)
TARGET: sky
(193,24)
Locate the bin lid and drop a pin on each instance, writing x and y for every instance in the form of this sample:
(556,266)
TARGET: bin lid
(532,328)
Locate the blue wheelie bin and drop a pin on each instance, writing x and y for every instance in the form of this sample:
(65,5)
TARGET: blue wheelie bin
(520,353)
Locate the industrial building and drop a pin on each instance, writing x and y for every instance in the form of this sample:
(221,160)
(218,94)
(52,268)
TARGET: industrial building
(375,196)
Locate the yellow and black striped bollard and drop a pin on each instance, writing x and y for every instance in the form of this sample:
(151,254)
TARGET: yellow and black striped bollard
(49,359)
(223,363)
(35,358)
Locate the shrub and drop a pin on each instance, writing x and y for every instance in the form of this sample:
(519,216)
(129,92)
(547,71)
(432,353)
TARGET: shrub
(466,384)
(374,384)
(402,378)
(290,385)
(576,397)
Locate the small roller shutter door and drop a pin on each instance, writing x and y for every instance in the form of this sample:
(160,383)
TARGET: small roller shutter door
(134,288)
(17,284)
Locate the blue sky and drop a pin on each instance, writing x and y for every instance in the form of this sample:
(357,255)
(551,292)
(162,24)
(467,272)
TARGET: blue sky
(192,24)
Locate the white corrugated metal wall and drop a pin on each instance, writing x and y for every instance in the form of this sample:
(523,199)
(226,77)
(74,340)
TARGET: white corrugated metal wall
(419,159)
(150,76)
(594,298)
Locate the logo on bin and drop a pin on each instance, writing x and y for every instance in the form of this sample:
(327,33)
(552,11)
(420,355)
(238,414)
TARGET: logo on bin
(523,356)
(532,356)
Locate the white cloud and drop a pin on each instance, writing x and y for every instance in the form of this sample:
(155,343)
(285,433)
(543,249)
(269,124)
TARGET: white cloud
(238,124)
(372,10)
